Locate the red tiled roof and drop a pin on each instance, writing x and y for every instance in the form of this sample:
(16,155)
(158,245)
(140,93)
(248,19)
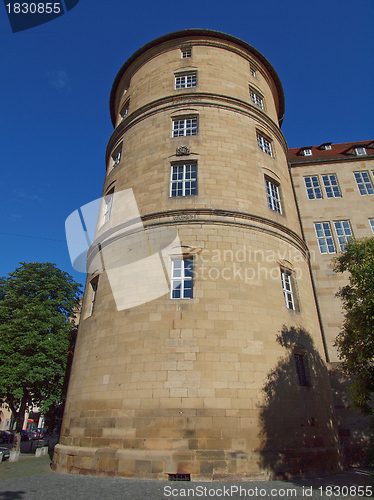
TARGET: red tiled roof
(338,152)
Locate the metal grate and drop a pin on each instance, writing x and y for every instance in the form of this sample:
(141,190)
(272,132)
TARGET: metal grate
(179,477)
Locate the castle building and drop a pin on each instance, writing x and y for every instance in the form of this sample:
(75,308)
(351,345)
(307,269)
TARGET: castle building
(202,347)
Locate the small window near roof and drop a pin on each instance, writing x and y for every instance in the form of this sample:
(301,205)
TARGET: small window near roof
(307,152)
(253,71)
(124,111)
(360,151)
(185,53)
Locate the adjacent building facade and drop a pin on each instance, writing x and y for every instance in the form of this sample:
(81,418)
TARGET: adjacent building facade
(223,373)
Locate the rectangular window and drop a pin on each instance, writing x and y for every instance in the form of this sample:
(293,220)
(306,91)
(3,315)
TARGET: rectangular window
(287,289)
(125,111)
(332,189)
(371,222)
(264,144)
(184,127)
(185,53)
(186,81)
(94,283)
(360,151)
(307,152)
(324,237)
(182,279)
(364,183)
(302,370)
(256,98)
(183,180)
(343,232)
(273,195)
(253,71)
(312,187)
(108,202)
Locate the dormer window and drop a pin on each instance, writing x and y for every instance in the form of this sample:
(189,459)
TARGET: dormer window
(325,145)
(360,151)
(307,152)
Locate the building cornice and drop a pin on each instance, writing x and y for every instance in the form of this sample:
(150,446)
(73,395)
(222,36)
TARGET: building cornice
(198,99)
(193,35)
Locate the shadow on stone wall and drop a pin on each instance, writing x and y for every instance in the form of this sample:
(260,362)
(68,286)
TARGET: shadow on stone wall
(298,426)
(355,429)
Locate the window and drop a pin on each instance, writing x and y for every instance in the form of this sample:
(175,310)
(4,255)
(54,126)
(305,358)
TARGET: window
(125,110)
(253,71)
(324,237)
(93,283)
(288,292)
(186,81)
(307,152)
(364,183)
(302,369)
(108,202)
(371,222)
(185,53)
(360,151)
(116,156)
(183,180)
(256,98)
(264,144)
(273,195)
(182,279)
(331,186)
(344,233)
(183,127)
(313,188)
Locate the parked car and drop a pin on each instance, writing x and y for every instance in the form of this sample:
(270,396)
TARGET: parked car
(5,452)
(6,437)
(33,434)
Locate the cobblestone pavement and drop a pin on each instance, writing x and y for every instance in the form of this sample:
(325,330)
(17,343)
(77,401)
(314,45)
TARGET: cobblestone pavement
(32,479)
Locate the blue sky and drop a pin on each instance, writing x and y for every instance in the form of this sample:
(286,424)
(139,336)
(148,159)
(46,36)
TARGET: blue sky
(56,81)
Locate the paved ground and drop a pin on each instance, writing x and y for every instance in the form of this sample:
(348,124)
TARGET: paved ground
(32,479)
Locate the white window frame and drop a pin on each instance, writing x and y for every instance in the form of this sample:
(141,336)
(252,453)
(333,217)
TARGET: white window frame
(360,151)
(180,279)
(256,98)
(185,80)
(307,152)
(186,53)
(288,292)
(183,127)
(313,187)
(253,71)
(273,195)
(108,204)
(365,186)
(343,233)
(332,189)
(325,238)
(264,144)
(185,181)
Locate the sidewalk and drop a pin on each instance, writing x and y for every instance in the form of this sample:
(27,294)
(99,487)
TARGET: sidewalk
(32,479)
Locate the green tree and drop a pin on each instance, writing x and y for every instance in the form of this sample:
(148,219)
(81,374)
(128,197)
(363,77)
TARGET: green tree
(355,342)
(36,305)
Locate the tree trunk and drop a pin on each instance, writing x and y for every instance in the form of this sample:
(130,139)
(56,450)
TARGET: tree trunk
(20,417)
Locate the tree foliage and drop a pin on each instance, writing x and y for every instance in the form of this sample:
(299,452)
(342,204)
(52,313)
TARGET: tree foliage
(36,304)
(355,342)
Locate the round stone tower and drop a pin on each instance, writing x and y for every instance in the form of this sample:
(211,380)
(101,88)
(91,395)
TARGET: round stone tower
(199,349)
